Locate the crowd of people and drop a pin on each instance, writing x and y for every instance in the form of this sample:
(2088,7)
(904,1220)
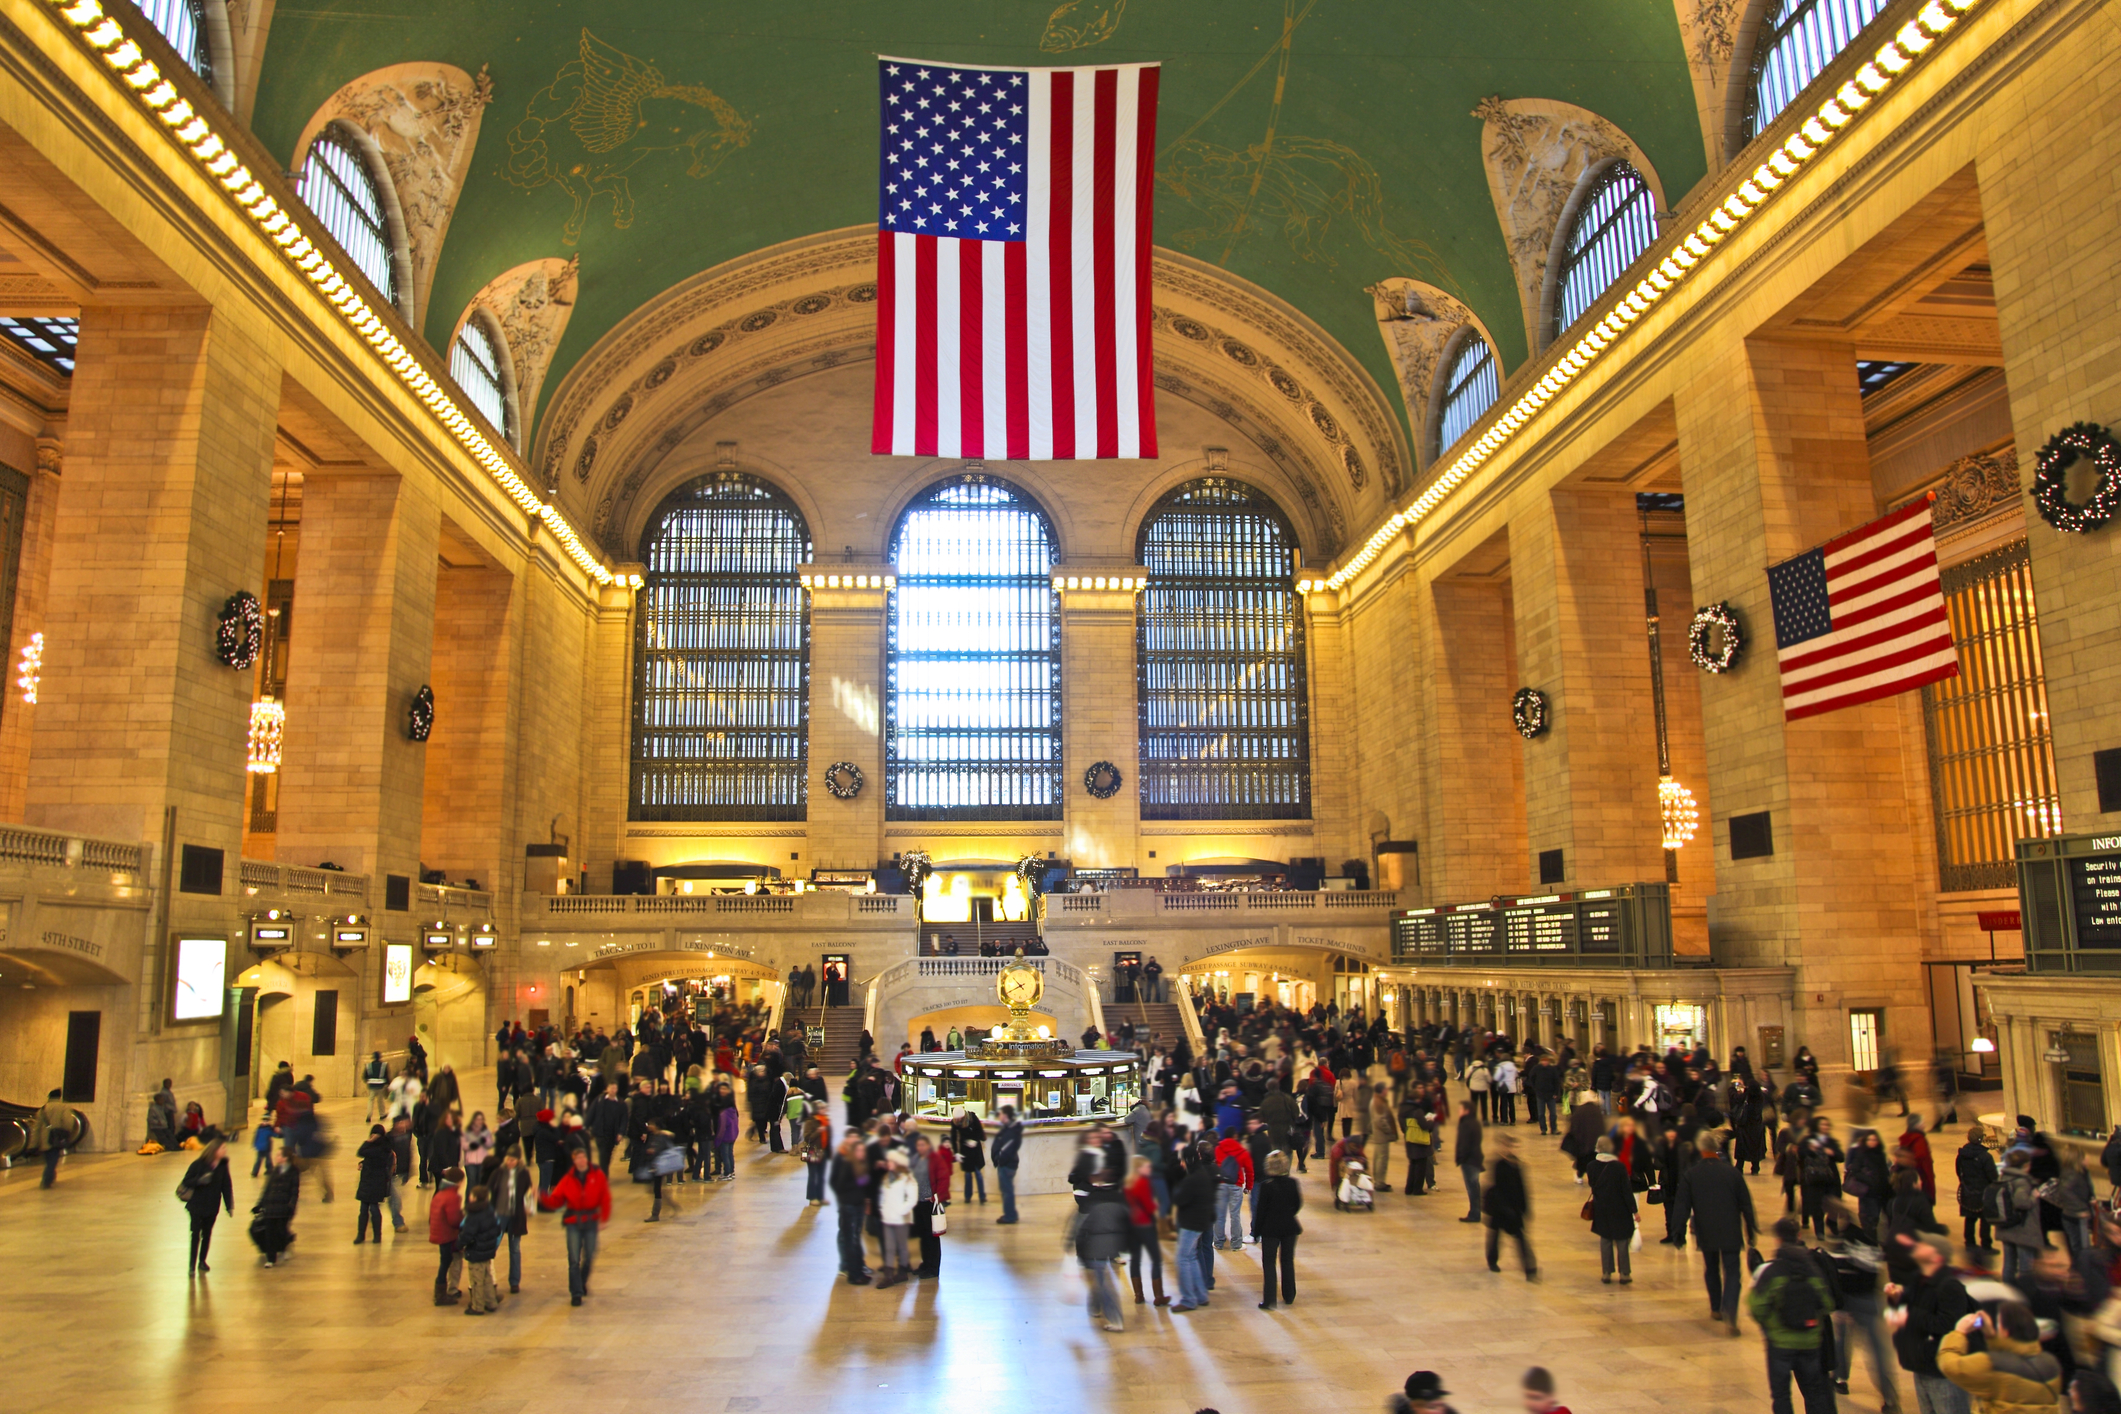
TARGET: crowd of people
(1208,1161)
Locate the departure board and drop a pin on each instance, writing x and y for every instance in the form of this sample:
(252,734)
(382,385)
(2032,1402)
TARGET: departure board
(1632,923)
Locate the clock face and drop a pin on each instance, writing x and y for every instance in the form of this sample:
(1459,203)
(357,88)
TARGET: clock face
(1020,987)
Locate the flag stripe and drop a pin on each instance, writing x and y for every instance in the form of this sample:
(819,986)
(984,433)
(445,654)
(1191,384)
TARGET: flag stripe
(1103,217)
(925,351)
(1883,627)
(1016,296)
(1061,255)
(883,425)
(1013,308)
(1144,221)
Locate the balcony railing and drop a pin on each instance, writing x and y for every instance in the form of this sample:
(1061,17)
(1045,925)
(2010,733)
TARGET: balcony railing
(827,906)
(262,876)
(35,846)
(1141,903)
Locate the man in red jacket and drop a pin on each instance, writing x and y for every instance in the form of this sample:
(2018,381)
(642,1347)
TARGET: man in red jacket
(583,1196)
(445,1216)
(1233,1167)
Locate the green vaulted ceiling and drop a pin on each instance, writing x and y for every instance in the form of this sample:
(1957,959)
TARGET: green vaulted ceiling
(1375,166)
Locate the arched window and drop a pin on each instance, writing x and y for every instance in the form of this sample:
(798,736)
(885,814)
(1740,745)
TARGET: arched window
(183,24)
(478,361)
(1797,40)
(972,705)
(1615,224)
(337,184)
(721,727)
(1220,660)
(1468,388)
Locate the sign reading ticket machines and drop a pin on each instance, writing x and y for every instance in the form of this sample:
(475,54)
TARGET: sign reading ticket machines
(2069,900)
(397,973)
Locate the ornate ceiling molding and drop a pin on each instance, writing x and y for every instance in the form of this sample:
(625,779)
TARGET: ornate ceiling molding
(532,303)
(424,121)
(1537,152)
(605,449)
(1417,322)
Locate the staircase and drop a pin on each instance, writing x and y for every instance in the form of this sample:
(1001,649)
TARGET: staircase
(843,1040)
(1006,938)
(1159,1019)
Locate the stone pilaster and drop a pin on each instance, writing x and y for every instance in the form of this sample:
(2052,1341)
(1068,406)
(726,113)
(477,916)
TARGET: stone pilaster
(1475,843)
(468,786)
(353,784)
(1100,720)
(1582,639)
(847,710)
(608,758)
(1771,443)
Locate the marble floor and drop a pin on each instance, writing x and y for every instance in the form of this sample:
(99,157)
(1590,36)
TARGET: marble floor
(734,1306)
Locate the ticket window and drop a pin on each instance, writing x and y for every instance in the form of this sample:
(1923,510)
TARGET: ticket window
(1681,1026)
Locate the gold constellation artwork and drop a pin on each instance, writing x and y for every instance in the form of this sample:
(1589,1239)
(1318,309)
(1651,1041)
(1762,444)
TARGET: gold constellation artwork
(1079,24)
(603,114)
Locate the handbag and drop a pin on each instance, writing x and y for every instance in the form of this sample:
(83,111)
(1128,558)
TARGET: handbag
(669,1161)
(939,1219)
(1855,1187)
(183,1193)
(1586,1213)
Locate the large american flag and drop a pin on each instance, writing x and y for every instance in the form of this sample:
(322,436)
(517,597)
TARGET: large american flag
(1013,224)
(1862,616)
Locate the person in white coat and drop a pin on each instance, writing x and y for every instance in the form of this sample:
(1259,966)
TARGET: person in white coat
(895,1202)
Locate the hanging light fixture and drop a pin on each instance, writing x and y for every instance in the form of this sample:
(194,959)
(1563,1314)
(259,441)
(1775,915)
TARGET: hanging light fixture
(1675,807)
(31,669)
(268,725)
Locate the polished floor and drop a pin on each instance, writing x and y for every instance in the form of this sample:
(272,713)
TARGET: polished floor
(734,1306)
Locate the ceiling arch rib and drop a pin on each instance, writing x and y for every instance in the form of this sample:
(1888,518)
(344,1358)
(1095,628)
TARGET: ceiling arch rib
(609,443)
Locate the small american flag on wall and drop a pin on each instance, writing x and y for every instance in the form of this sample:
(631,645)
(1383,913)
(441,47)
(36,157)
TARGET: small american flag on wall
(1862,616)
(1013,234)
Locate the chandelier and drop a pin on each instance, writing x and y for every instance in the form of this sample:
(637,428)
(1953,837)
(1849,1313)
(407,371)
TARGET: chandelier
(268,724)
(32,668)
(1675,807)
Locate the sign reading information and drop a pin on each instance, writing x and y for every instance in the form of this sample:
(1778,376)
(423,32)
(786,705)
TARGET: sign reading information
(2069,903)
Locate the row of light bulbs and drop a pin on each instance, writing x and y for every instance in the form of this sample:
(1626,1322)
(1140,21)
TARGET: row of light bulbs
(841,581)
(197,136)
(1893,59)
(1133,584)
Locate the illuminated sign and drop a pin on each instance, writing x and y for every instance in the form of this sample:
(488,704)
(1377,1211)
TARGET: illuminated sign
(397,973)
(202,978)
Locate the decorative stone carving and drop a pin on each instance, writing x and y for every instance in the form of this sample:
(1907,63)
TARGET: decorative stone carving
(1974,487)
(1709,31)
(1417,322)
(425,119)
(1537,151)
(531,303)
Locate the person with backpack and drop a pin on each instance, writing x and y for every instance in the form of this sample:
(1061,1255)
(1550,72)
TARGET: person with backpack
(479,1239)
(1976,1168)
(1234,1179)
(2013,1208)
(1794,1306)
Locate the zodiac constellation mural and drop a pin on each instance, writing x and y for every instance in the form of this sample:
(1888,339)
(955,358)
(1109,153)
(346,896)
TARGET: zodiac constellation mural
(604,114)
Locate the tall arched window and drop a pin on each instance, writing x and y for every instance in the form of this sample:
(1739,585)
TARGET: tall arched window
(1225,732)
(1615,224)
(1467,390)
(721,727)
(183,24)
(972,705)
(1797,40)
(479,362)
(338,186)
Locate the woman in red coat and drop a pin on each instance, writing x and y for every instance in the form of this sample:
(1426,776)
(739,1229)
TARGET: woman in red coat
(1916,1146)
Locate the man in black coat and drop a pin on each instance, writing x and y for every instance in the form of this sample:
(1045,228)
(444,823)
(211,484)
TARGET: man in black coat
(1713,1196)
(1509,1206)
(607,1121)
(1935,1301)
(1469,1155)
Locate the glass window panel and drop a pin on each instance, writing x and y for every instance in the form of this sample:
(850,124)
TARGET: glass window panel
(476,366)
(1615,225)
(1470,388)
(1991,754)
(722,692)
(337,186)
(972,704)
(50,341)
(1798,39)
(183,24)
(1225,732)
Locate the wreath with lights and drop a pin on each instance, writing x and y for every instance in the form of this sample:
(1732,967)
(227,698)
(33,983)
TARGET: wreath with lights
(1102,780)
(844,779)
(1528,709)
(420,718)
(241,633)
(1708,621)
(2051,478)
